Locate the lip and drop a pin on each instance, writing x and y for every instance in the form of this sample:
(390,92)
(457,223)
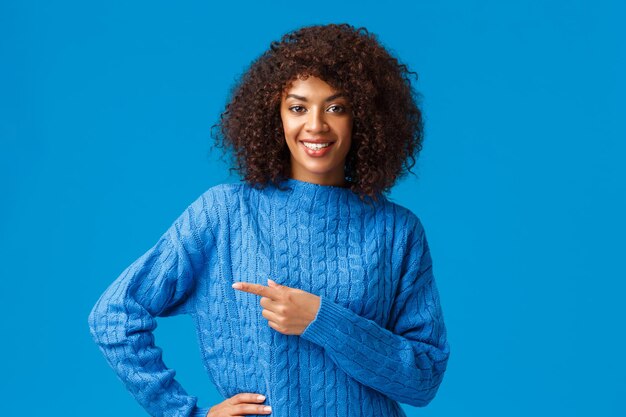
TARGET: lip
(318,153)
(317,140)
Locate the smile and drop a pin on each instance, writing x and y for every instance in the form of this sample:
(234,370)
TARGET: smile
(316,146)
(316,149)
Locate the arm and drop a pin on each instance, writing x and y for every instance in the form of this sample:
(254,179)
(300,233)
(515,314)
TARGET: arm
(159,283)
(407,362)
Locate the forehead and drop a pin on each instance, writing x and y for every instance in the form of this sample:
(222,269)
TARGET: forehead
(310,87)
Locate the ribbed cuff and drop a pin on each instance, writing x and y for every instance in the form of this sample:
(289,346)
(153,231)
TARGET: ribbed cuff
(328,320)
(199,412)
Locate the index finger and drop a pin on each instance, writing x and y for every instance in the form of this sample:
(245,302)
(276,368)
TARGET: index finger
(257,289)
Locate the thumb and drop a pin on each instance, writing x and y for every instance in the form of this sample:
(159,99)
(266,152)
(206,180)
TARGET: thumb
(273,284)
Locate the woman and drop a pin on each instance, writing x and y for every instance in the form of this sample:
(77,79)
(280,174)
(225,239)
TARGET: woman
(306,284)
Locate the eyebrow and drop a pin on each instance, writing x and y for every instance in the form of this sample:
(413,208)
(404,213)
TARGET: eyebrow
(297,97)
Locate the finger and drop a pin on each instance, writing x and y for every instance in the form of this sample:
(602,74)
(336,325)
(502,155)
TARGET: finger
(269,304)
(252,409)
(273,284)
(246,397)
(276,327)
(257,289)
(271,316)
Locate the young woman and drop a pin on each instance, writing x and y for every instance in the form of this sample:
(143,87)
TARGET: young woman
(307,285)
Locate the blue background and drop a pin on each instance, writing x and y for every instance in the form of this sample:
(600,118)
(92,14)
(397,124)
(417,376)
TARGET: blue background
(105,110)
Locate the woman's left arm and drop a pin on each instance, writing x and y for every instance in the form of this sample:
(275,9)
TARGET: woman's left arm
(406,362)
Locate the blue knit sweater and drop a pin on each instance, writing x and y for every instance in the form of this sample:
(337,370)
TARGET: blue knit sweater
(378,337)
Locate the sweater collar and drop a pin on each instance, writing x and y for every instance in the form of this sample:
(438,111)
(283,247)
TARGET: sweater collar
(310,187)
(317,198)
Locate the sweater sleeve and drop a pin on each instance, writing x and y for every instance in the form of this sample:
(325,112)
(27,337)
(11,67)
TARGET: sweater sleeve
(405,362)
(159,283)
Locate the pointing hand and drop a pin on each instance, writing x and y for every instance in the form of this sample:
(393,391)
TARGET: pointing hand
(288,310)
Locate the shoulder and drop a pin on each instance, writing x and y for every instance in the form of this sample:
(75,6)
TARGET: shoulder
(220,195)
(205,207)
(404,217)
(408,229)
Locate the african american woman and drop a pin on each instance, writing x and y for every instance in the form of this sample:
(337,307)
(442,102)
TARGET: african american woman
(311,292)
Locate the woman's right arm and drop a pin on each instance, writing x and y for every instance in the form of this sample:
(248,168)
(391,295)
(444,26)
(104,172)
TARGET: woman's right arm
(160,283)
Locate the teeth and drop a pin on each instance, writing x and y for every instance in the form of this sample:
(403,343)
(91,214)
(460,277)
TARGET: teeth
(316,146)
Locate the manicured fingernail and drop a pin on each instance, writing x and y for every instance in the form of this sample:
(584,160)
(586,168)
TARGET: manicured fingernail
(260,397)
(237,285)
(267,408)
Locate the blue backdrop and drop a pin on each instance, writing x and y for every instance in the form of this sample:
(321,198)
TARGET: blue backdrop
(105,110)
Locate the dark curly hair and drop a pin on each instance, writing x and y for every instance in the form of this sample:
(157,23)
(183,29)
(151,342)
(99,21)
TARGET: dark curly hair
(387,130)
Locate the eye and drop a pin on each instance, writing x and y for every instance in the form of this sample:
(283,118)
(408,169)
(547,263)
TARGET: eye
(296,109)
(337,108)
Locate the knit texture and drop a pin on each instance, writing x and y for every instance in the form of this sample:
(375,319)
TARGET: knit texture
(377,339)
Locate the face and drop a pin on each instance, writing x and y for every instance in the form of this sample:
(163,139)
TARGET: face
(317,121)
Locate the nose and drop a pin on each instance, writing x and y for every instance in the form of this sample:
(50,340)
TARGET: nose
(316,121)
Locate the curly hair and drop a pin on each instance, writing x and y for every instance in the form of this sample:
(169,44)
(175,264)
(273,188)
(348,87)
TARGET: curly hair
(387,128)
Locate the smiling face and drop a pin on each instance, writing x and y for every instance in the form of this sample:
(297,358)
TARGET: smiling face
(317,122)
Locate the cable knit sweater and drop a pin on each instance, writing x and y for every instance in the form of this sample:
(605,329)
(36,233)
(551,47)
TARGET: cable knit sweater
(377,339)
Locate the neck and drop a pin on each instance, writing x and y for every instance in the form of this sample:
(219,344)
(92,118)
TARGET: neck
(334,181)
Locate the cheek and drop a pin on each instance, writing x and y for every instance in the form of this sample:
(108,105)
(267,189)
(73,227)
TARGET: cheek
(289,127)
(289,132)
(346,129)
